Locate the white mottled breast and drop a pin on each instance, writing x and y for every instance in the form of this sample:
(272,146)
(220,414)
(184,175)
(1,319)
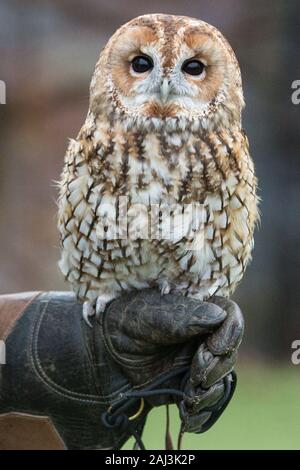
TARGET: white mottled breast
(170,170)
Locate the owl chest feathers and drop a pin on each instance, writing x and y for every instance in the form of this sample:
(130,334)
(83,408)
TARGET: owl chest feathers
(166,170)
(157,166)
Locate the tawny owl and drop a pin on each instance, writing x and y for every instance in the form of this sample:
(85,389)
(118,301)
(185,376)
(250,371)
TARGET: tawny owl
(159,188)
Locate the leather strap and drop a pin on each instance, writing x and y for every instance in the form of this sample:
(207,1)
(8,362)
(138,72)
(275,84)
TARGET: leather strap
(11,308)
(21,431)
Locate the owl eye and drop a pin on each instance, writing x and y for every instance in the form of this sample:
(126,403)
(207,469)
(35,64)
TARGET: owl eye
(193,67)
(141,64)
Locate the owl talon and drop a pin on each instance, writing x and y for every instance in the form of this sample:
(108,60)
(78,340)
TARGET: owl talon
(165,288)
(88,310)
(100,306)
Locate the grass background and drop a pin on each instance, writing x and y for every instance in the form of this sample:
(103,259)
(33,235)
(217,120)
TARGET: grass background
(264,414)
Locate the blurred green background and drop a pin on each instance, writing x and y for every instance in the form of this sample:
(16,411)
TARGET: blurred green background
(48,50)
(263,414)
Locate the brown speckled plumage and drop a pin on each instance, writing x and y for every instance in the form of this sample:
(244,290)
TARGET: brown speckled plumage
(188,149)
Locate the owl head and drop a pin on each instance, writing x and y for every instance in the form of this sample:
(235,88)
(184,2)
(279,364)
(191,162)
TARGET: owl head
(163,67)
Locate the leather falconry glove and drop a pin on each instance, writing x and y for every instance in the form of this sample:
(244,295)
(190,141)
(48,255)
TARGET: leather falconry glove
(95,386)
(169,344)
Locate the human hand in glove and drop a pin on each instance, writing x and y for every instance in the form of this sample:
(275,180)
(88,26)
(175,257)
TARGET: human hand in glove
(175,349)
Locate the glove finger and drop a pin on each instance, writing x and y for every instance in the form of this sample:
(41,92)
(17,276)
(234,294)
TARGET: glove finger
(213,401)
(168,319)
(228,337)
(207,369)
(224,366)
(198,399)
(194,423)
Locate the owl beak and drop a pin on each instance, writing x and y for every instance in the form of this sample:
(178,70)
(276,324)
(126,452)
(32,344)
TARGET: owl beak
(164,90)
